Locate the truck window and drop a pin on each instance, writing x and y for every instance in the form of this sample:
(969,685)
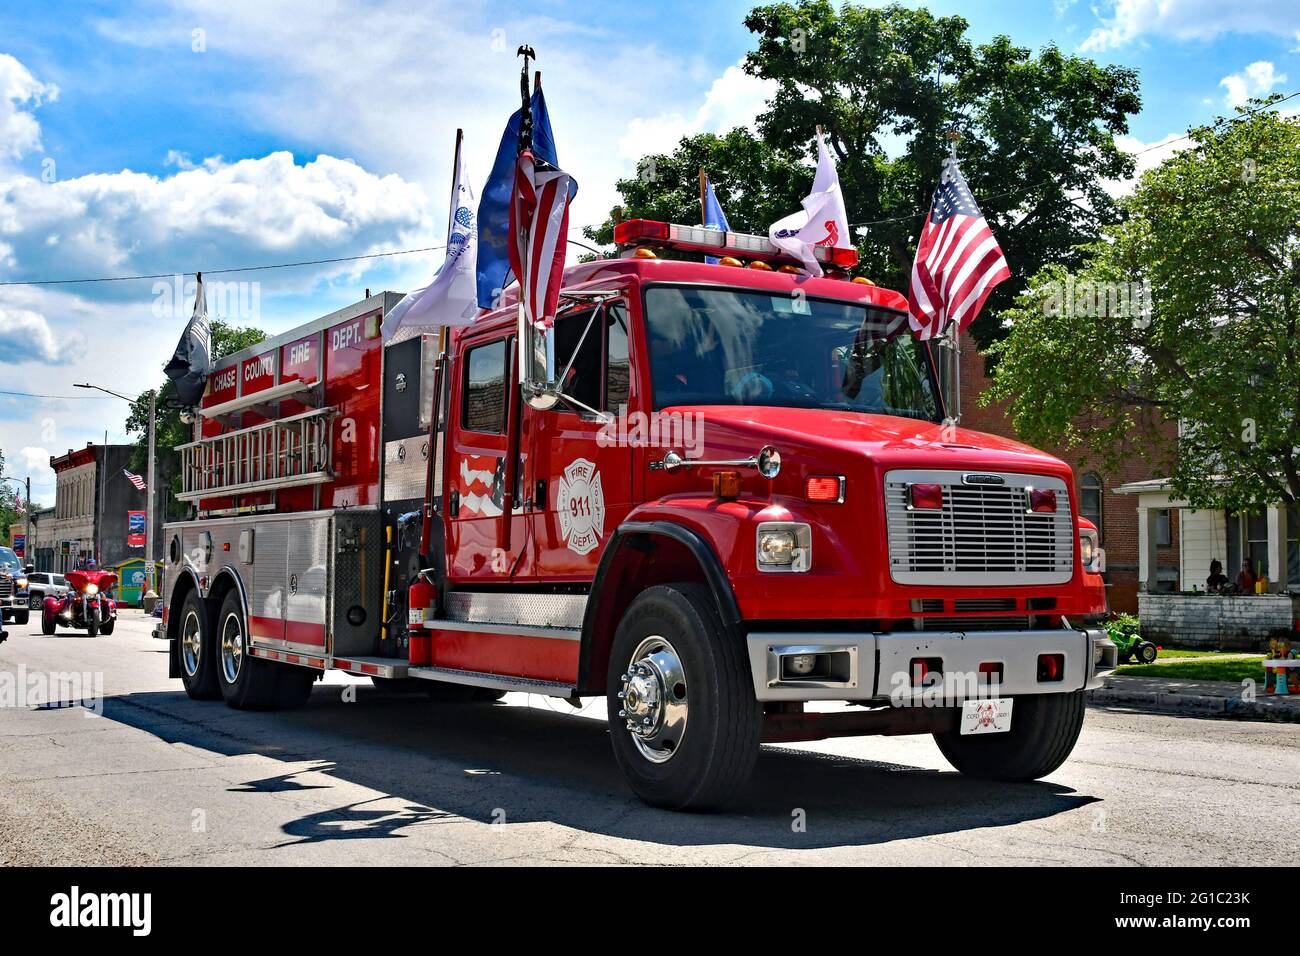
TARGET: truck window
(618,370)
(582,381)
(485,389)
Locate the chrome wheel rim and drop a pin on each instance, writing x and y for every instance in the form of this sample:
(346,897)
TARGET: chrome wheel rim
(190,639)
(232,647)
(652,699)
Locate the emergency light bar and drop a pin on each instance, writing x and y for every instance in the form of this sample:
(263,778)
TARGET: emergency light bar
(647,232)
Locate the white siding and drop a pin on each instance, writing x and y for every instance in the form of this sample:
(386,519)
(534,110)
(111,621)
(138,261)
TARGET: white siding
(1203,536)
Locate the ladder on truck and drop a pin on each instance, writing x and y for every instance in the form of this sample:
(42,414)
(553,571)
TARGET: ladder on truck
(280,453)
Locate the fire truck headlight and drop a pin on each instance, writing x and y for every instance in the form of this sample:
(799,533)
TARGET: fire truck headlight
(784,546)
(1089,552)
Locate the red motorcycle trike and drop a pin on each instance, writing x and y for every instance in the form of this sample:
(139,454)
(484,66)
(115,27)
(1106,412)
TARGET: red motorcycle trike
(86,606)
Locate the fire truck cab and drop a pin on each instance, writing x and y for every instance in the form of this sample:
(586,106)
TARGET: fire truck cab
(727,496)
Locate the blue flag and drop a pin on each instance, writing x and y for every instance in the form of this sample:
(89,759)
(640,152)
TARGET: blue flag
(494,208)
(714,217)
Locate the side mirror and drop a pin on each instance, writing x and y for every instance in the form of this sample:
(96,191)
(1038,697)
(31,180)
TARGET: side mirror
(536,348)
(28,568)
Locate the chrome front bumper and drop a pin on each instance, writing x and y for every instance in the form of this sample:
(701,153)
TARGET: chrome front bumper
(872,666)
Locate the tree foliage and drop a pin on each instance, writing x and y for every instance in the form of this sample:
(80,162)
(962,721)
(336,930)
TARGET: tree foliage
(887,84)
(10,517)
(169,430)
(1214,232)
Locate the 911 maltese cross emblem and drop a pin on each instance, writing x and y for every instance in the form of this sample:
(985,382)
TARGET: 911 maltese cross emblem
(581,507)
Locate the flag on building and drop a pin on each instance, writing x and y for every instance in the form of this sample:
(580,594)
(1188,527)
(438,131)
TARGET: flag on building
(958,262)
(188,367)
(822,221)
(539,221)
(451,298)
(714,217)
(134,479)
(495,243)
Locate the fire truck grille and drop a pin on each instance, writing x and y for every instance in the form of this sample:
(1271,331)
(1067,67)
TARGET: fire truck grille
(998,623)
(984,533)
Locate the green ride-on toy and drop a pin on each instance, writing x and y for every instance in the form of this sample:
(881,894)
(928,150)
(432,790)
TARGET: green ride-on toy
(1123,629)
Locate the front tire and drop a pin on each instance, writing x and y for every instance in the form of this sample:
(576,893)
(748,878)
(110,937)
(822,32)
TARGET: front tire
(197,649)
(1044,729)
(1147,652)
(47,626)
(22,617)
(684,723)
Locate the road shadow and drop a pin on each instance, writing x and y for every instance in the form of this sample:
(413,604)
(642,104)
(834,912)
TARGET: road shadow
(498,763)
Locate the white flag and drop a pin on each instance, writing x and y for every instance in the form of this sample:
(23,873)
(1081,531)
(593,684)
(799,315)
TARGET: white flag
(452,297)
(821,222)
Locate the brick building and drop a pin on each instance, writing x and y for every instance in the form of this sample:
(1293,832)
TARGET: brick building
(1115,514)
(92,499)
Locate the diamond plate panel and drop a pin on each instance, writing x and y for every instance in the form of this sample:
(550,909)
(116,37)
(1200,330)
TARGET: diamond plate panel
(531,610)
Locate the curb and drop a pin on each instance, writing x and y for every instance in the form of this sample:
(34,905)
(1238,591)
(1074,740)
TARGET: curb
(1201,705)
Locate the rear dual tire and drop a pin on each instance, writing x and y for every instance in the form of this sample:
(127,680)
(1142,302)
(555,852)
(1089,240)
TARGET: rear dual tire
(251,683)
(1044,729)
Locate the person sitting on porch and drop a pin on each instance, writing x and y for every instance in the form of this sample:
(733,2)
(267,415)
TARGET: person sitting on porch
(1217,580)
(1246,578)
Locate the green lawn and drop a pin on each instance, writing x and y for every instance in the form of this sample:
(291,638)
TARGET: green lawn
(1233,670)
(1166,651)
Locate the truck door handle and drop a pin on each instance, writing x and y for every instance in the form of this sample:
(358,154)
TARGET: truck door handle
(539,495)
(453,503)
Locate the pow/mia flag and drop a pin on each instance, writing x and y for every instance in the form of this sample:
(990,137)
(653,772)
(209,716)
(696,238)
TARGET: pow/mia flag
(189,364)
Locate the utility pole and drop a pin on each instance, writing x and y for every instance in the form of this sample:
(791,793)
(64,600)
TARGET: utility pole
(150,591)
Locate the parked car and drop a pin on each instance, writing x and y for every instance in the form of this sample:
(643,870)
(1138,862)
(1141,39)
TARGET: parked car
(13,588)
(43,584)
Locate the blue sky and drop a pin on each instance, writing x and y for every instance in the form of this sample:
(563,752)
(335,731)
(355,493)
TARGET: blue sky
(151,136)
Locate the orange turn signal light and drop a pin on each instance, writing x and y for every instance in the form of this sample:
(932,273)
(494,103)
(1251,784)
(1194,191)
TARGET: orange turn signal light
(760,265)
(862,280)
(726,484)
(645,252)
(729,261)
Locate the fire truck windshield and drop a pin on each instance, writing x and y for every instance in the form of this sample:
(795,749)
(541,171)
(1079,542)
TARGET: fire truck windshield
(712,346)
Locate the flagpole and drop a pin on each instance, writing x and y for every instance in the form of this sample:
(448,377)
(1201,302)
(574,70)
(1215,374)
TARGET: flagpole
(443,332)
(704,206)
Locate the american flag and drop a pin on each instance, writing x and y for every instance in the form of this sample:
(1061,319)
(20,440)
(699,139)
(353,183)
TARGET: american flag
(539,223)
(134,479)
(958,262)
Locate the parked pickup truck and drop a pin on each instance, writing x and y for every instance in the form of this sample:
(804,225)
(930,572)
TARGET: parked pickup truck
(13,587)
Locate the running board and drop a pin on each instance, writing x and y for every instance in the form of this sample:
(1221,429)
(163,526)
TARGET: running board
(364,666)
(504,682)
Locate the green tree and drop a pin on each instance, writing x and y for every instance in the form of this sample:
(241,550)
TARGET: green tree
(10,516)
(1214,233)
(169,430)
(887,84)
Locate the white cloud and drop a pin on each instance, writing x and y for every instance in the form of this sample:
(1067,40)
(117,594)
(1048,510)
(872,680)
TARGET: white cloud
(26,336)
(19,130)
(734,99)
(1148,155)
(1130,20)
(215,215)
(1256,80)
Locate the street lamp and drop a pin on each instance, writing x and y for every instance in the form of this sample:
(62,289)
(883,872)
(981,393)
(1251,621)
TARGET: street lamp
(149,482)
(27,516)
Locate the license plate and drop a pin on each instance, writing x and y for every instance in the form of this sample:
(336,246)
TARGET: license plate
(991,716)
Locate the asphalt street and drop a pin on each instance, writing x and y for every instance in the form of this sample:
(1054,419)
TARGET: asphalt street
(145,775)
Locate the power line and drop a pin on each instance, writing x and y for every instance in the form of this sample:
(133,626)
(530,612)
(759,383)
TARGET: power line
(214,272)
(71,398)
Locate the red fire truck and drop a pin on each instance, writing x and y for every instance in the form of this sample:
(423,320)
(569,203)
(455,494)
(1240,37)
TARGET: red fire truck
(727,496)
